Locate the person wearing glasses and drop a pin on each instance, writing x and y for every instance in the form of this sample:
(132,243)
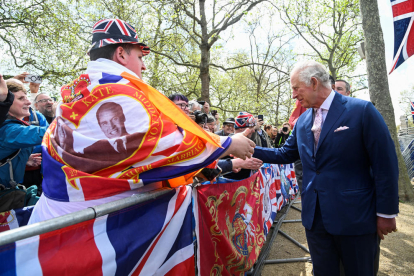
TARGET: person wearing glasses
(181,101)
(45,105)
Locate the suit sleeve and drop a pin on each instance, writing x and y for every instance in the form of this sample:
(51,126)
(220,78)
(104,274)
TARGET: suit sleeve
(383,159)
(284,155)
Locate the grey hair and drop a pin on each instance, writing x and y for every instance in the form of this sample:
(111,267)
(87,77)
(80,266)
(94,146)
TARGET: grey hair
(311,69)
(347,86)
(192,104)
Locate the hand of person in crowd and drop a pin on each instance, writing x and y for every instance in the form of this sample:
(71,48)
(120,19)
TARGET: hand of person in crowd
(259,124)
(3,89)
(241,146)
(35,160)
(249,163)
(34,87)
(385,226)
(21,77)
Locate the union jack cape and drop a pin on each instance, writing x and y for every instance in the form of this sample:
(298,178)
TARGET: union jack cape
(114,133)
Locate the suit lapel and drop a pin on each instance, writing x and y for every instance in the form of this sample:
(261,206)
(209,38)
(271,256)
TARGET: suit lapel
(335,110)
(308,122)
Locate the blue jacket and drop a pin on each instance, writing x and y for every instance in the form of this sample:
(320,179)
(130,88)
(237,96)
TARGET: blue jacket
(353,172)
(41,121)
(14,135)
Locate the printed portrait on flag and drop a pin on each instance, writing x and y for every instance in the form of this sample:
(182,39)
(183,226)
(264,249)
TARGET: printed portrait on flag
(106,134)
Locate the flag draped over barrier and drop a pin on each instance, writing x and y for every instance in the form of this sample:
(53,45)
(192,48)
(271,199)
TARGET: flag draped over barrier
(403,13)
(156,237)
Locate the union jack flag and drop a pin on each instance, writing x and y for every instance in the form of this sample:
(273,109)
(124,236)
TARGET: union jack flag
(403,13)
(153,238)
(412,109)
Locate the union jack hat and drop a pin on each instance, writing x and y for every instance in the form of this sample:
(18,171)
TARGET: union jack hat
(245,119)
(114,31)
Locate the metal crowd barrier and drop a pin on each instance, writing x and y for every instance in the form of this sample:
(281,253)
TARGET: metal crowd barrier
(77,217)
(408,155)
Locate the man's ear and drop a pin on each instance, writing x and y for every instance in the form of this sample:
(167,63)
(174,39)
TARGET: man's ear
(314,83)
(120,56)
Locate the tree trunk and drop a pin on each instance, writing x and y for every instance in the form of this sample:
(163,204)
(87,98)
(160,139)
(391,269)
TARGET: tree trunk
(205,72)
(378,85)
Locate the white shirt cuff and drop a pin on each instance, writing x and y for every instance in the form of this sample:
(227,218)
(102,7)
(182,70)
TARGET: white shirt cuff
(386,216)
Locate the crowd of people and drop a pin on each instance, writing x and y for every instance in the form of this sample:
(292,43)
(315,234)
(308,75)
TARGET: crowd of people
(346,197)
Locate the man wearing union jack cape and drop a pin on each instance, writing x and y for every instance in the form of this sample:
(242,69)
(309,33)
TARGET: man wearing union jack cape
(114,134)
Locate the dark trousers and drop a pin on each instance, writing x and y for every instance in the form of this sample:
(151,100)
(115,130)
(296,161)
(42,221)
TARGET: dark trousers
(357,252)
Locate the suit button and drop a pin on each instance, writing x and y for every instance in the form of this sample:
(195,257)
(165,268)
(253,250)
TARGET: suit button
(318,172)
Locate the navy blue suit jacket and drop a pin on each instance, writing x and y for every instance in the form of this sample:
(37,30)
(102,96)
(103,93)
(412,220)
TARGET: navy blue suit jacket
(354,172)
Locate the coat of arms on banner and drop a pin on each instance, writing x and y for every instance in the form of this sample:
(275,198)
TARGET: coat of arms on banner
(231,220)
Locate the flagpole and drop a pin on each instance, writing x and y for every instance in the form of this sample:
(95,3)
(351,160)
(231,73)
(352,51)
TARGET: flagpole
(402,45)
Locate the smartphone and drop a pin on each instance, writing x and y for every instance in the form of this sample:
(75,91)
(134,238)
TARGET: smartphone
(33,78)
(214,112)
(202,102)
(210,174)
(260,117)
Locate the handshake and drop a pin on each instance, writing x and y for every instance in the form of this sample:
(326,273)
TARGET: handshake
(241,146)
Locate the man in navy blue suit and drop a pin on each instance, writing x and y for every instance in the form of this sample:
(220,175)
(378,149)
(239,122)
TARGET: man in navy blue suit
(350,173)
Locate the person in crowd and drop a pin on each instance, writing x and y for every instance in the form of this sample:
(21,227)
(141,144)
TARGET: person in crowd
(116,59)
(228,127)
(17,139)
(343,87)
(181,101)
(350,173)
(46,105)
(6,99)
(33,174)
(283,135)
(260,137)
(206,108)
(193,106)
(245,123)
(275,131)
(271,134)
(211,123)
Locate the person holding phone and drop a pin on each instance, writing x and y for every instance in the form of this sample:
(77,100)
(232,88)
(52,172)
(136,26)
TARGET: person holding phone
(260,136)
(283,134)
(6,99)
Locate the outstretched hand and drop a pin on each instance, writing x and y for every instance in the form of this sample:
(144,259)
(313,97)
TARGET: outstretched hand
(3,89)
(249,163)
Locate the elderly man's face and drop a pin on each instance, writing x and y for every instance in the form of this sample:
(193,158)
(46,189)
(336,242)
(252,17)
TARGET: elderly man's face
(340,86)
(44,103)
(306,95)
(112,124)
(228,128)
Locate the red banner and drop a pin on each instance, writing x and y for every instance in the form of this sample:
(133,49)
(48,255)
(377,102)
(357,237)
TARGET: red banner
(230,226)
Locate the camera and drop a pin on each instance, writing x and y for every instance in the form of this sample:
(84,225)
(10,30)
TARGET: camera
(200,117)
(214,112)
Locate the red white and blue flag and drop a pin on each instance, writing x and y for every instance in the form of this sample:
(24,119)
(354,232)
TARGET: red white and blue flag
(403,13)
(412,109)
(153,238)
(15,218)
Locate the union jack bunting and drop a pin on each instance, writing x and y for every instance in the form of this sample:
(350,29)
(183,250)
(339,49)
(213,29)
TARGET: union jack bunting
(153,238)
(403,13)
(113,31)
(412,109)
